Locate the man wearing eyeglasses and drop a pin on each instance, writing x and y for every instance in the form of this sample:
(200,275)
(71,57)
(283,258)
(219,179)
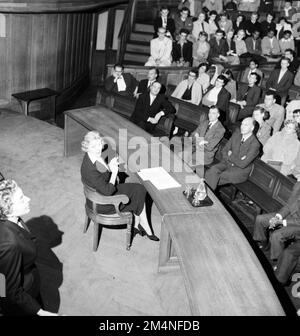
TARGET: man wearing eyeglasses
(160,50)
(188,89)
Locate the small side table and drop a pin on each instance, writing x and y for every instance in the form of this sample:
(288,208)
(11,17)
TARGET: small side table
(26,97)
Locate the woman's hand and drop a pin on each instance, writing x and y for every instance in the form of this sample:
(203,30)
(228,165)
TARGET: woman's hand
(114,165)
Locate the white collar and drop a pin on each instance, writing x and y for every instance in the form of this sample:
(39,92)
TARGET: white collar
(246,137)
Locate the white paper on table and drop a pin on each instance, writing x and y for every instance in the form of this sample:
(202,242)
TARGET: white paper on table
(159,177)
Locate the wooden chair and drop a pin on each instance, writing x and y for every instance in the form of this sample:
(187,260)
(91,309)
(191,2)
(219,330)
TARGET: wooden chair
(101,220)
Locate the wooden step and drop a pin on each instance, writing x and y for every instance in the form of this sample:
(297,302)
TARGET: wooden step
(146,28)
(139,48)
(139,58)
(141,37)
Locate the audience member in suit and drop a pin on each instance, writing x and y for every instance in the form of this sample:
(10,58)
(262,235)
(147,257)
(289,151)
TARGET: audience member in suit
(248,97)
(252,24)
(102,177)
(230,86)
(18,254)
(225,23)
(182,51)
(253,45)
(205,141)
(288,11)
(263,129)
(144,84)
(150,107)
(288,259)
(288,217)
(276,111)
(281,80)
(239,22)
(253,67)
(183,21)
(270,45)
(163,20)
(218,45)
(237,157)
(189,89)
(195,6)
(268,24)
(200,26)
(160,50)
(218,96)
(120,82)
(294,63)
(213,5)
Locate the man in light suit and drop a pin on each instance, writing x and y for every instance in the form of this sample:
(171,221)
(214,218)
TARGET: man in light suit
(120,82)
(160,50)
(205,141)
(238,155)
(281,80)
(150,107)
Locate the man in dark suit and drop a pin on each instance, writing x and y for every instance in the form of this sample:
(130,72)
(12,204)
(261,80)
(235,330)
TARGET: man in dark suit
(144,84)
(248,96)
(120,82)
(281,80)
(294,63)
(182,51)
(218,45)
(150,107)
(217,95)
(163,20)
(205,142)
(238,154)
(252,24)
(287,219)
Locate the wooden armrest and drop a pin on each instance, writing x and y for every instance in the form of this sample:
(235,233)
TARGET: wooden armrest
(97,198)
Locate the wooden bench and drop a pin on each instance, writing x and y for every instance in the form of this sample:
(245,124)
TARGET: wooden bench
(26,97)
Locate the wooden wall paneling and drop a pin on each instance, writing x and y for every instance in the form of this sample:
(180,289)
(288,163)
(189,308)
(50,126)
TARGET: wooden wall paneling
(61,43)
(51,50)
(40,57)
(80,45)
(67,51)
(85,52)
(73,48)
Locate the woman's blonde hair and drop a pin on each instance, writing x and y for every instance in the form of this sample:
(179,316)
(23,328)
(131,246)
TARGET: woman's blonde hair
(7,189)
(90,136)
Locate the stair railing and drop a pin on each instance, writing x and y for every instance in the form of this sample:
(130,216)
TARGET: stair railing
(126,29)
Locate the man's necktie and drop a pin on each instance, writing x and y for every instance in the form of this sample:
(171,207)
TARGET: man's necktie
(242,141)
(202,26)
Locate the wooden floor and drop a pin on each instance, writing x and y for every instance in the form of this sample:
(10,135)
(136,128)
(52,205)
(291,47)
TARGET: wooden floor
(75,280)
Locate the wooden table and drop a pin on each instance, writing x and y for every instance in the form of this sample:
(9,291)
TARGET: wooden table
(206,242)
(26,97)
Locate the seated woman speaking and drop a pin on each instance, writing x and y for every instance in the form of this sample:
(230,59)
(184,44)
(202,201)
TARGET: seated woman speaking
(103,178)
(17,255)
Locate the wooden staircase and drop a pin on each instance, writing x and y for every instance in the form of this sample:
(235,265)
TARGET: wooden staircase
(137,49)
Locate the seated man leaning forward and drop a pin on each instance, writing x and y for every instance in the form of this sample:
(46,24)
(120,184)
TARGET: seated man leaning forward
(280,226)
(189,89)
(150,107)
(120,82)
(160,50)
(238,154)
(205,141)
